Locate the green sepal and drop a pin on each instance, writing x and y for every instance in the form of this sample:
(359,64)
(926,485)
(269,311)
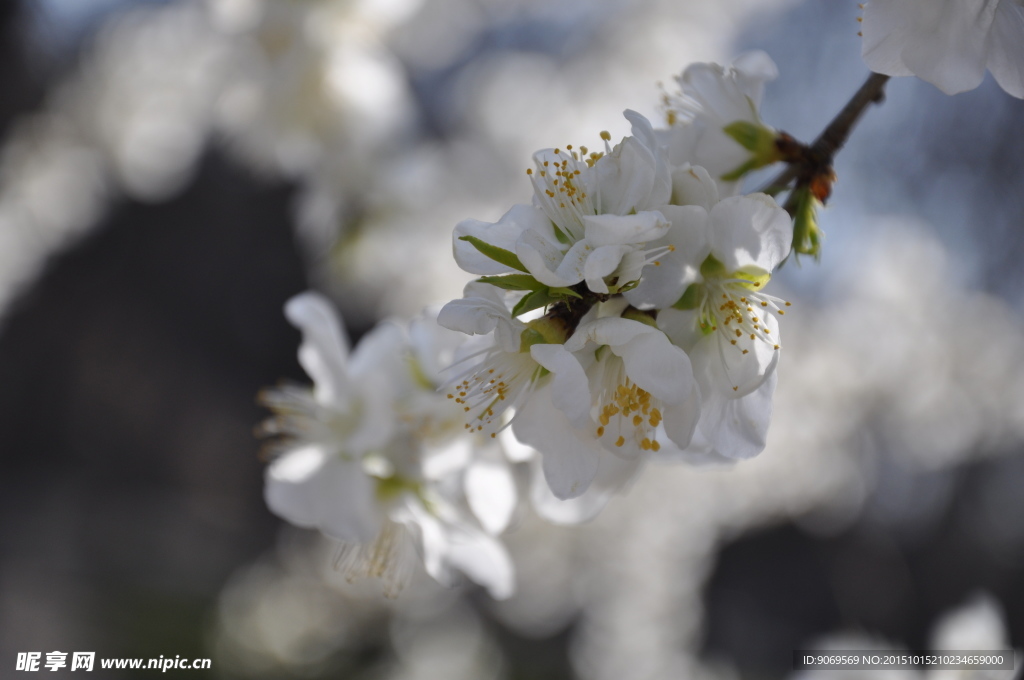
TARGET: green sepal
(751,278)
(500,255)
(545,330)
(807,236)
(389,488)
(649,318)
(530,337)
(513,282)
(628,286)
(759,140)
(533,300)
(740,171)
(691,297)
(560,235)
(712,268)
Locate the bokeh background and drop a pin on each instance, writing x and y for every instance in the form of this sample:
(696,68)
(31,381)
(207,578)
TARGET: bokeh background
(172,171)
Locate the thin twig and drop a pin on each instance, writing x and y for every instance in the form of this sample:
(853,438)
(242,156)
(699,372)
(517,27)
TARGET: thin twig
(821,153)
(838,131)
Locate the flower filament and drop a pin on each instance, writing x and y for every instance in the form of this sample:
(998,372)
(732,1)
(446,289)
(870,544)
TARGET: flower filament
(626,412)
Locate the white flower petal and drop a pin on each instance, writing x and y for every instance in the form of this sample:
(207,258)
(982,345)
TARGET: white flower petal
(681,326)
(613,474)
(609,330)
(945,42)
(738,428)
(481,311)
(662,285)
(885,28)
(571,270)
(324,350)
(657,366)
(643,131)
(1006,48)
(449,545)
(504,234)
(601,262)
(627,177)
(377,370)
(722,368)
(569,389)
(693,185)
(753,69)
(641,227)
(951,50)
(750,230)
(569,456)
(681,419)
(515,450)
(491,492)
(542,255)
(311,489)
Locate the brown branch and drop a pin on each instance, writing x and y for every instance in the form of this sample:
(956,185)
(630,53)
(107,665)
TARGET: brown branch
(816,159)
(835,135)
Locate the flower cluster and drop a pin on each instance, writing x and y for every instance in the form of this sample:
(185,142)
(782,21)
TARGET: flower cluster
(371,456)
(619,317)
(624,309)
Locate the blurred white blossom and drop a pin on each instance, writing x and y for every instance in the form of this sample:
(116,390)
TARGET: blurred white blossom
(948,44)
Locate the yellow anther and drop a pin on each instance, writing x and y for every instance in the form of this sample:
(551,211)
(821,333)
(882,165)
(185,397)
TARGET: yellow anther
(606,136)
(600,431)
(620,441)
(655,446)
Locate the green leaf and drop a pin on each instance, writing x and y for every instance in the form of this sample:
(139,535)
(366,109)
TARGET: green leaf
(532,301)
(497,254)
(513,282)
(564,293)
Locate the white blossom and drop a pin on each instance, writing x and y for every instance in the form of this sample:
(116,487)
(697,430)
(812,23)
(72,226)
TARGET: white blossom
(537,380)
(724,320)
(591,216)
(948,43)
(711,97)
(352,466)
(641,386)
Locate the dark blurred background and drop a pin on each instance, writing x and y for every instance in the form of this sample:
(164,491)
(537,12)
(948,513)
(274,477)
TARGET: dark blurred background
(132,487)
